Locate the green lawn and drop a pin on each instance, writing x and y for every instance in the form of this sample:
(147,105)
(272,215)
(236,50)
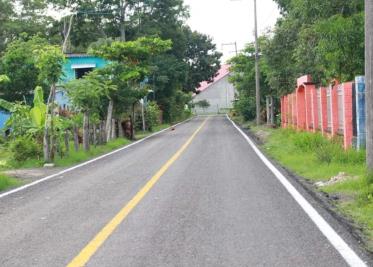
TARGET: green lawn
(317,159)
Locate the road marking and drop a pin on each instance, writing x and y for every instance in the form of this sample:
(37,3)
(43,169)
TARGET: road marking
(10,192)
(338,243)
(90,249)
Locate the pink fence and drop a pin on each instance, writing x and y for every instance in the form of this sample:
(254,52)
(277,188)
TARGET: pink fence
(328,110)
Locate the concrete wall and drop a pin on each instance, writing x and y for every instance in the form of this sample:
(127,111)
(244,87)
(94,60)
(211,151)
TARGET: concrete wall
(330,111)
(220,95)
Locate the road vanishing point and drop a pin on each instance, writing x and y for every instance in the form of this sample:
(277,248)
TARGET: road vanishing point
(200,195)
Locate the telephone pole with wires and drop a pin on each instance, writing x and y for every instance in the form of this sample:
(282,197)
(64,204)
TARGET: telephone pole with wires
(257,70)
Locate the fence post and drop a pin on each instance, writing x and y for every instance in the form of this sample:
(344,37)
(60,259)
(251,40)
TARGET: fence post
(348,131)
(360,112)
(334,109)
(315,113)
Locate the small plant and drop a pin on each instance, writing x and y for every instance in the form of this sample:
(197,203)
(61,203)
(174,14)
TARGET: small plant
(308,141)
(325,153)
(24,148)
(369,178)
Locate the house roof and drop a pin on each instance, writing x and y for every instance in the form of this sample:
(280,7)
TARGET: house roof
(224,71)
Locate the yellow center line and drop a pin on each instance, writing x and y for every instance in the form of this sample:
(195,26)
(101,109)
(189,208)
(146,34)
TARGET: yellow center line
(90,249)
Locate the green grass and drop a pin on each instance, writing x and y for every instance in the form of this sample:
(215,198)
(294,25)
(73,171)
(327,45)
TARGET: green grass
(318,159)
(7,182)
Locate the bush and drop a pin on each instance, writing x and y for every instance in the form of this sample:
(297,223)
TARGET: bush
(24,148)
(152,115)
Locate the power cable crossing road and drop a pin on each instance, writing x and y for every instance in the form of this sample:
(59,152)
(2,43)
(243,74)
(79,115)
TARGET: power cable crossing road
(196,196)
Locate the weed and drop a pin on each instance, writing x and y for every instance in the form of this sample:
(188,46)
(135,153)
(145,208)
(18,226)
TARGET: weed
(8,182)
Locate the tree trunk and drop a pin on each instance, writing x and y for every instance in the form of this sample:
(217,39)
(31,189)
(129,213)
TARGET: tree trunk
(67,145)
(94,135)
(108,120)
(113,129)
(272,111)
(86,131)
(67,34)
(123,20)
(120,129)
(76,138)
(102,132)
(133,122)
(369,81)
(48,120)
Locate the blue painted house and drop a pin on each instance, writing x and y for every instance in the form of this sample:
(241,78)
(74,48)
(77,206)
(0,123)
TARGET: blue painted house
(75,67)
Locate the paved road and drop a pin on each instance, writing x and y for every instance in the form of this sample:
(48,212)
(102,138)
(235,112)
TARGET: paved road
(215,205)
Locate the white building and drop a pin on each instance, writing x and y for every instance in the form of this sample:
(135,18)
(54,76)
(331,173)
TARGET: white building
(220,94)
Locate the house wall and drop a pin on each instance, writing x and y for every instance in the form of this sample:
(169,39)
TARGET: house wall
(220,95)
(69,72)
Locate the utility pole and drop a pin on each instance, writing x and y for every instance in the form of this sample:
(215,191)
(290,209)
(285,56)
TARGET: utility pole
(369,81)
(235,46)
(257,73)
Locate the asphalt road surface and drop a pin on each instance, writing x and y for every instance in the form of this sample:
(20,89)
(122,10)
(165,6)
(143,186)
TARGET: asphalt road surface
(210,201)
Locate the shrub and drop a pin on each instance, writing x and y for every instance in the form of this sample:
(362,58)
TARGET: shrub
(152,115)
(24,148)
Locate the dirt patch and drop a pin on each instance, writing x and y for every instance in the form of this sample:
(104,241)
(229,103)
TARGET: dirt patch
(341,177)
(262,135)
(32,174)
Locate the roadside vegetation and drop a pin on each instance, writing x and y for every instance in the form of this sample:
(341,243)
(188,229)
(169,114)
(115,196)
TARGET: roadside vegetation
(326,40)
(155,62)
(342,173)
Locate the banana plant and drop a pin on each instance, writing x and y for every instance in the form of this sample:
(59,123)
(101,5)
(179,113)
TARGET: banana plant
(25,120)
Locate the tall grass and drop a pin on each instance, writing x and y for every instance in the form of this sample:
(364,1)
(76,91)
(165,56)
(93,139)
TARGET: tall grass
(8,182)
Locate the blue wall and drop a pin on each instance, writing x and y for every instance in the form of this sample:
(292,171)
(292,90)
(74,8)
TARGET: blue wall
(69,72)
(4,116)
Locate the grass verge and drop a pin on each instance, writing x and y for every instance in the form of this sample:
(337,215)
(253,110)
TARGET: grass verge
(74,157)
(317,159)
(7,182)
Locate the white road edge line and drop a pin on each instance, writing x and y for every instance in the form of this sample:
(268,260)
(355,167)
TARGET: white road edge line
(338,243)
(10,192)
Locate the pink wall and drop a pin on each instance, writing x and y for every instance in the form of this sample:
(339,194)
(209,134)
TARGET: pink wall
(305,111)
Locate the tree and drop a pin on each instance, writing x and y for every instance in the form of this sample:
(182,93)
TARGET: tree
(131,66)
(203,104)
(243,78)
(49,60)
(203,59)
(317,37)
(85,95)
(19,64)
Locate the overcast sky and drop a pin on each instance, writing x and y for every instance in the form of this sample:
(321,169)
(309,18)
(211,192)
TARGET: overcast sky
(228,21)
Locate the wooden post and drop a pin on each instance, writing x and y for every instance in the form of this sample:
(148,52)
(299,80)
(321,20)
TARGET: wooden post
(76,138)
(272,111)
(86,130)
